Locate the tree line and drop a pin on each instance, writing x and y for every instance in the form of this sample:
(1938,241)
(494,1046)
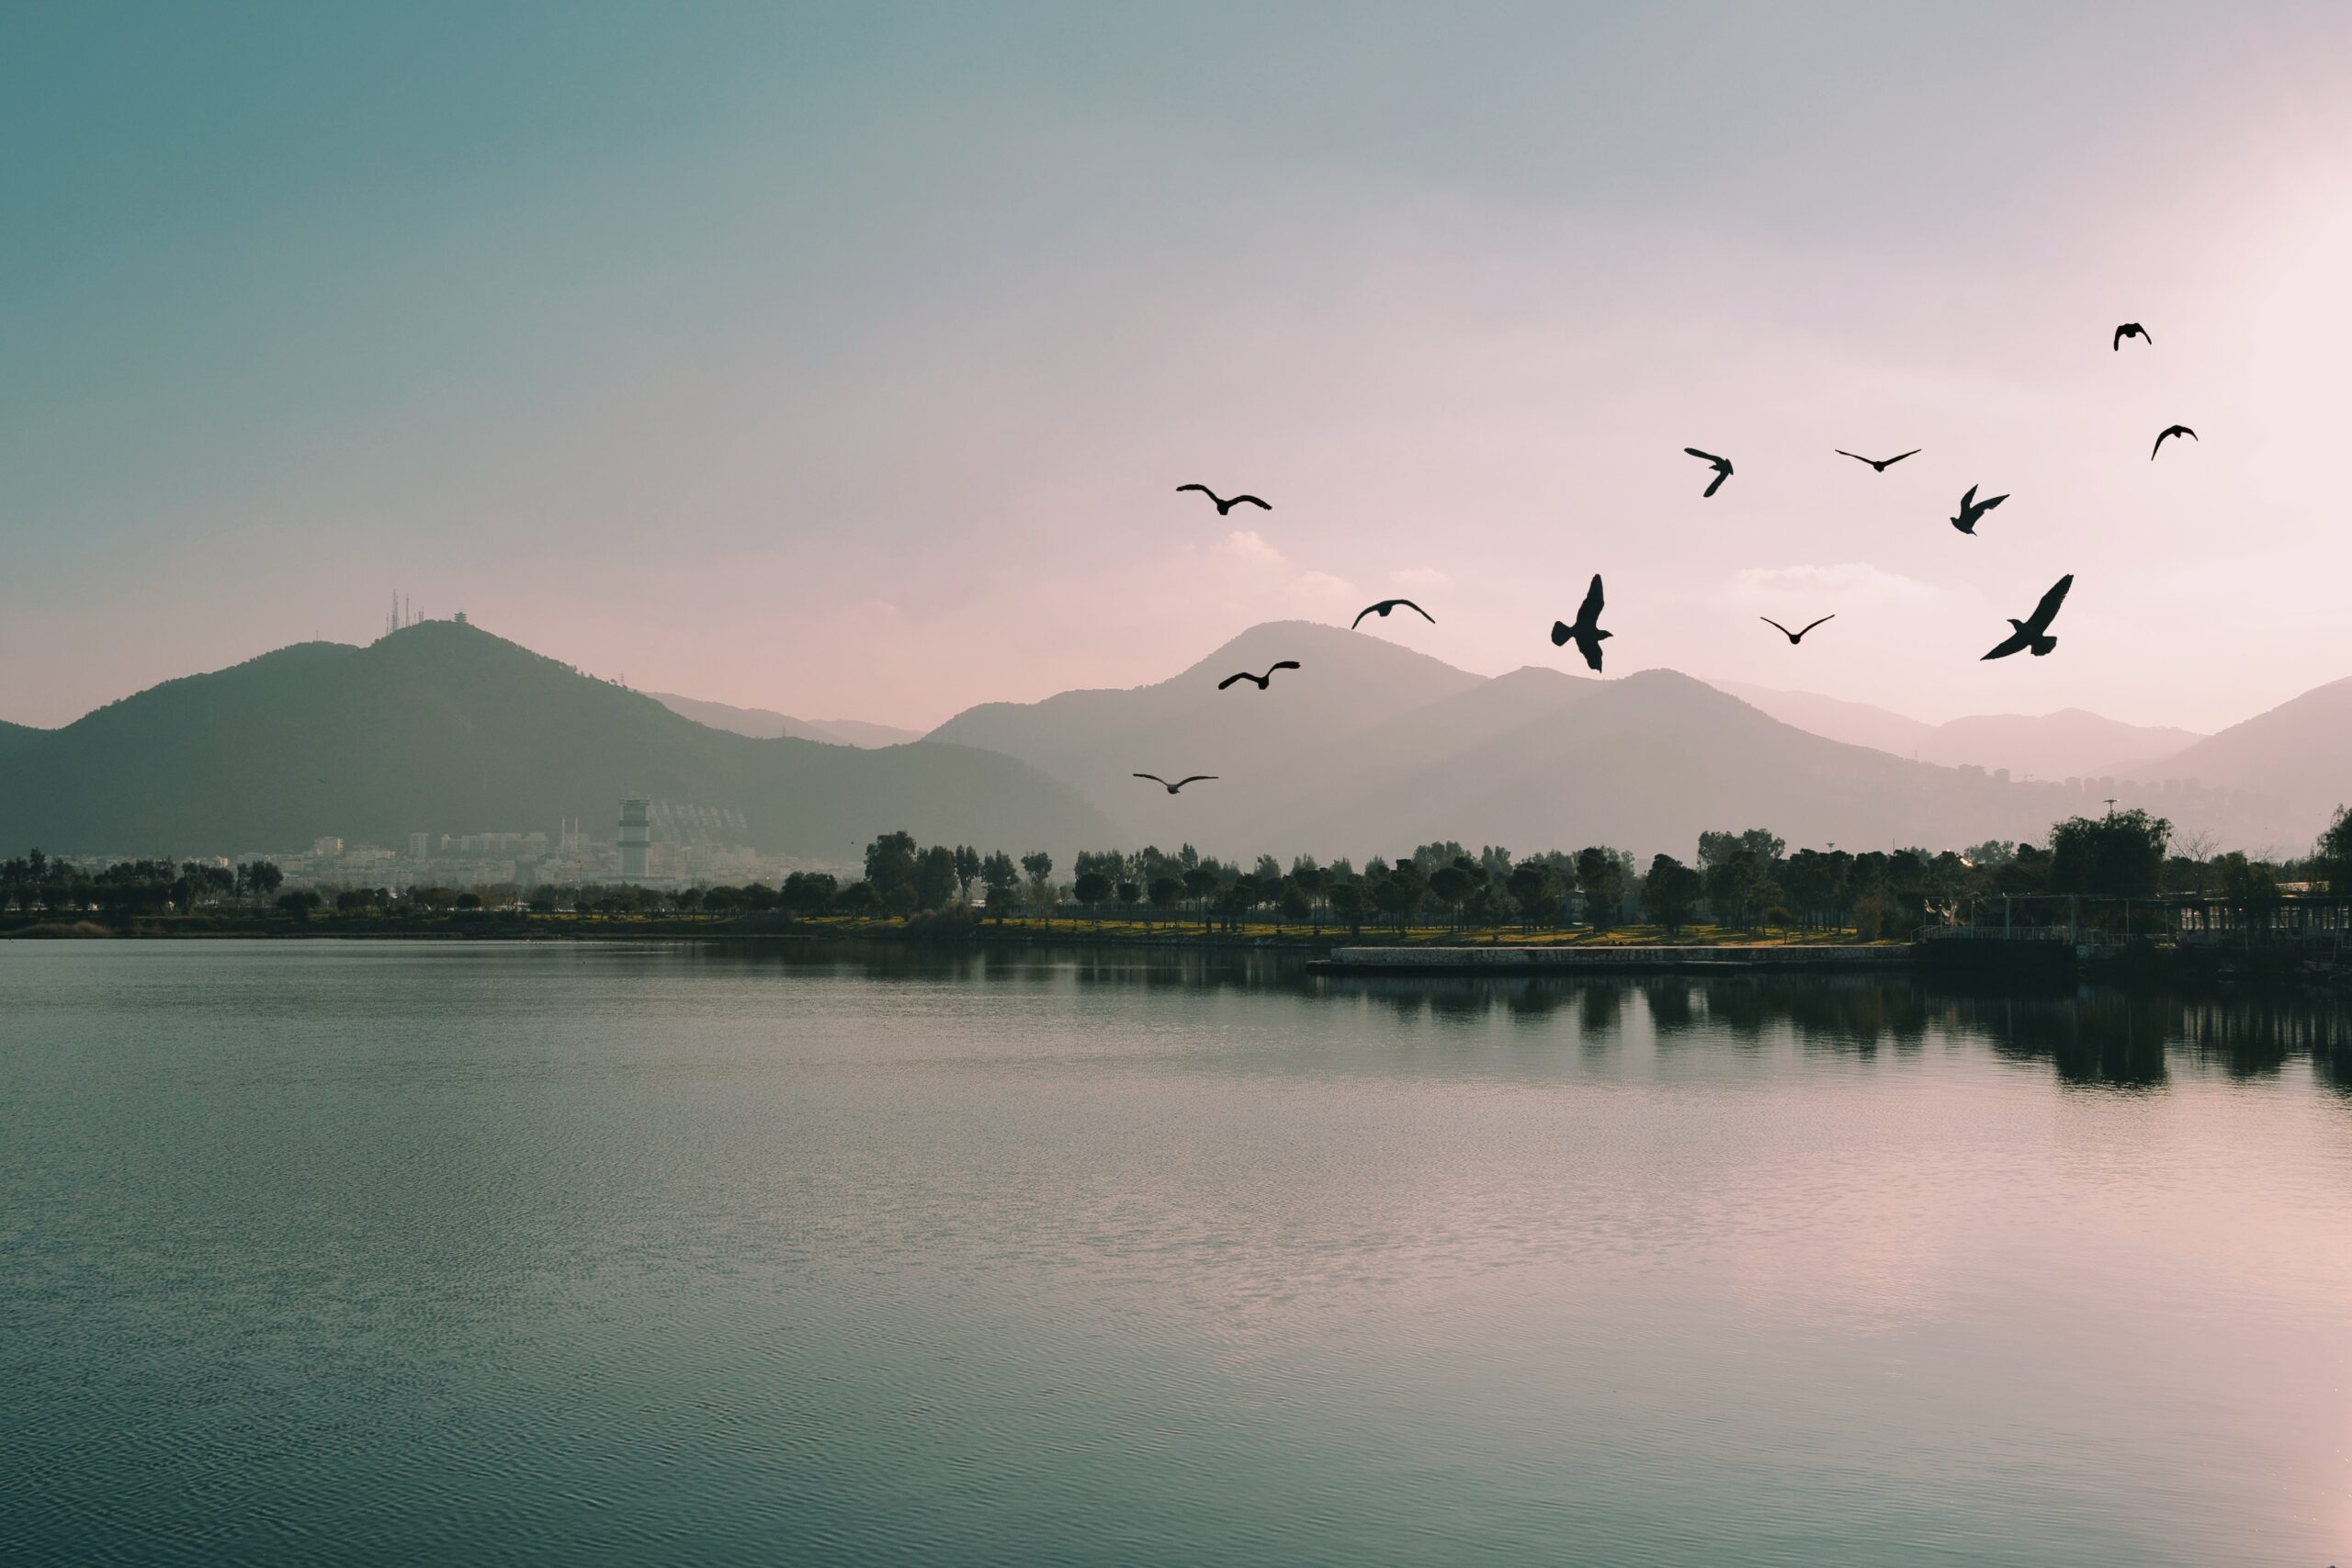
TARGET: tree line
(1745,879)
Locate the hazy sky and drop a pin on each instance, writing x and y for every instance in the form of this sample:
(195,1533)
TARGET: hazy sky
(844,361)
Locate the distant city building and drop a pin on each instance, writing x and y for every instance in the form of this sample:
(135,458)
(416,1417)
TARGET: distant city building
(419,845)
(635,835)
(323,848)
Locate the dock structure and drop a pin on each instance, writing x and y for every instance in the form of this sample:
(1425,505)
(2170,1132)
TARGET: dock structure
(1602,960)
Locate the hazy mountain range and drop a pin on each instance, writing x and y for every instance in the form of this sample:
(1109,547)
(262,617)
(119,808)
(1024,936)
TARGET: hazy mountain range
(761,724)
(2069,744)
(1370,749)
(444,727)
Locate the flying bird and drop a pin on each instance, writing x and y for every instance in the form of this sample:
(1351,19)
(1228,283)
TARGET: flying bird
(1180,784)
(1723,470)
(1264,680)
(2033,631)
(2133,329)
(2169,430)
(1385,606)
(1971,509)
(1228,504)
(1879,465)
(1587,631)
(1796,636)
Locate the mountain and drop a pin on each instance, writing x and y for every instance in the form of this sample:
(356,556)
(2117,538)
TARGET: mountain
(763,724)
(2069,744)
(1834,718)
(1094,740)
(444,727)
(1371,749)
(2299,752)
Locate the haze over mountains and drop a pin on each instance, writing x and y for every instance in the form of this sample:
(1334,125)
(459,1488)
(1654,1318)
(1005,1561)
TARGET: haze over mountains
(1371,748)
(764,724)
(2069,744)
(443,727)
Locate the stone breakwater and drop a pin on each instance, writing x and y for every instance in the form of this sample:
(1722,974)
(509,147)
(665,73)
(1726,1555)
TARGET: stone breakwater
(1503,960)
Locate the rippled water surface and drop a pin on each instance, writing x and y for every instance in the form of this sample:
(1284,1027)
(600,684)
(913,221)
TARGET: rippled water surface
(384,1253)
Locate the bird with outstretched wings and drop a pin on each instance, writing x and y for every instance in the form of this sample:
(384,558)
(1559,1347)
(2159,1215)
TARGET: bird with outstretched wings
(2033,631)
(1264,680)
(1388,605)
(1586,633)
(1723,470)
(1798,635)
(1180,784)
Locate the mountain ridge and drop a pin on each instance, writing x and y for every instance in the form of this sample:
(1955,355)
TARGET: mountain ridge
(443,727)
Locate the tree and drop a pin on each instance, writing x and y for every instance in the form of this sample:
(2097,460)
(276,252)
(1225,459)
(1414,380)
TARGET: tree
(890,860)
(1348,904)
(2120,856)
(968,871)
(1452,885)
(1734,883)
(1002,877)
(298,904)
(258,879)
(2251,888)
(2334,854)
(1040,867)
(1198,881)
(808,892)
(859,898)
(1310,879)
(1294,904)
(1090,890)
(1668,893)
(1164,891)
(1128,895)
(1537,887)
(934,877)
(1398,897)
(1602,874)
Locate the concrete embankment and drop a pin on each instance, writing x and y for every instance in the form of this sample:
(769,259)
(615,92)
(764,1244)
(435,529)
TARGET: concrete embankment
(1582,960)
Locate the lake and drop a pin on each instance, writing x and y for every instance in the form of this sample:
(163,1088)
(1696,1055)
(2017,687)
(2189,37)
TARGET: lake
(391,1253)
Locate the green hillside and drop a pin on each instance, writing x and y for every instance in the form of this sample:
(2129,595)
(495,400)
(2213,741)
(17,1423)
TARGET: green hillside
(445,727)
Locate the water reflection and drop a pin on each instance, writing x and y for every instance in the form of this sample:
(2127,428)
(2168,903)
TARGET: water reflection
(2091,1035)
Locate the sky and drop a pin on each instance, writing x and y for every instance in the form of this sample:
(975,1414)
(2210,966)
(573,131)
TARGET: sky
(844,360)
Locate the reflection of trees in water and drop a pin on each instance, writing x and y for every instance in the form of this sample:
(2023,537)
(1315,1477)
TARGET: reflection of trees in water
(2124,1038)
(2092,1036)
(1826,1012)
(2113,1038)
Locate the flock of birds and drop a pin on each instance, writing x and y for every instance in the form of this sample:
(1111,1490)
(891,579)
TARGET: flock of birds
(2029,634)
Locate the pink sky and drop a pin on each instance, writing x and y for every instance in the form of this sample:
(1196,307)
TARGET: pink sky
(879,413)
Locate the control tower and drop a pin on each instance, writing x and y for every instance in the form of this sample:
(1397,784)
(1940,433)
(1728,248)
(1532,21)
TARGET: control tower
(636,834)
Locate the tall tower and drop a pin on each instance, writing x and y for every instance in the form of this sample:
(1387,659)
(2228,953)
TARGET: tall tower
(636,834)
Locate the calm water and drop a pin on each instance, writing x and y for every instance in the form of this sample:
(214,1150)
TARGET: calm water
(381,1253)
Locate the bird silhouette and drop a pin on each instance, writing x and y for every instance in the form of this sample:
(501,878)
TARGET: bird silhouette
(2133,329)
(2032,632)
(1587,631)
(2169,430)
(1226,505)
(1796,636)
(1723,470)
(1879,464)
(1971,509)
(1180,784)
(1385,606)
(1264,680)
